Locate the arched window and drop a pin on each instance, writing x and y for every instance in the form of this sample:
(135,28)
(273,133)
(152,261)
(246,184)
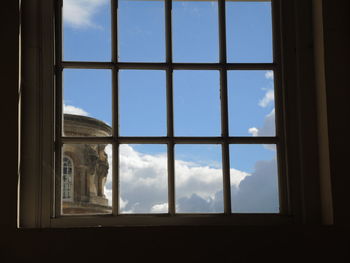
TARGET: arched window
(67,179)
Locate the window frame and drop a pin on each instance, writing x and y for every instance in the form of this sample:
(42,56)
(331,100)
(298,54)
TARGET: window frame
(37,188)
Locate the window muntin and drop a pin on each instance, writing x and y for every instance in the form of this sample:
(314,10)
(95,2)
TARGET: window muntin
(224,139)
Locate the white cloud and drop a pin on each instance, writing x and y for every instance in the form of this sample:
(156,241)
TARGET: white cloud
(268,128)
(143,180)
(269,95)
(122,203)
(269,74)
(268,98)
(80,13)
(108,185)
(200,186)
(160,208)
(253,131)
(258,193)
(204,181)
(74,110)
(108,195)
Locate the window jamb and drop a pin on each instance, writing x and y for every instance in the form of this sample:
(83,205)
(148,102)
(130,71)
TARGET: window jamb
(37,130)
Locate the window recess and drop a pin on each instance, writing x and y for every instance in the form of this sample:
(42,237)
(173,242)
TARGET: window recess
(186,128)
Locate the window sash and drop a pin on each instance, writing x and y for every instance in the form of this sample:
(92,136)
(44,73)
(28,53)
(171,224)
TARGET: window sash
(225,140)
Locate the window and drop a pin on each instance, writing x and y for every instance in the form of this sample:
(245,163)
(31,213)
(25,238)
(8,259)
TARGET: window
(175,130)
(67,179)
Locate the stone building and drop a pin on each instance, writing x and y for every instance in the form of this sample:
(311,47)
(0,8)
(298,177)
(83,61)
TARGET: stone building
(85,167)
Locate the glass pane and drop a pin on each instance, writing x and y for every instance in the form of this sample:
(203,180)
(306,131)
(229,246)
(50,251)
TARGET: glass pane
(143,178)
(198,179)
(86,182)
(87,102)
(197,103)
(142,103)
(254,180)
(195,31)
(249,31)
(141,31)
(86,30)
(251,103)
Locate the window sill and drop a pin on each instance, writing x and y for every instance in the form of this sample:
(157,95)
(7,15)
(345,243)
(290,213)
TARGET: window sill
(166,220)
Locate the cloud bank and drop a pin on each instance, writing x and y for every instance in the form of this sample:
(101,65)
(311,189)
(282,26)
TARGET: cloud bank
(258,193)
(143,185)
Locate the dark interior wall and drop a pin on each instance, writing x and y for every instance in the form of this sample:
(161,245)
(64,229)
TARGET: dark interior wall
(180,244)
(9,17)
(337,66)
(226,244)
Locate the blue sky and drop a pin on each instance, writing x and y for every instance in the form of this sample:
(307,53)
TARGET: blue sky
(142,108)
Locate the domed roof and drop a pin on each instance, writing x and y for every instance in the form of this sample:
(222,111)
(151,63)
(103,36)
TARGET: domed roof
(77,125)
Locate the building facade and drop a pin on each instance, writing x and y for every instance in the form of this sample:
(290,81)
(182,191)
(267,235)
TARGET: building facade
(85,168)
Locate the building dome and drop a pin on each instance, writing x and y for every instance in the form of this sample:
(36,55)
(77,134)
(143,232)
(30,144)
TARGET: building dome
(77,125)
